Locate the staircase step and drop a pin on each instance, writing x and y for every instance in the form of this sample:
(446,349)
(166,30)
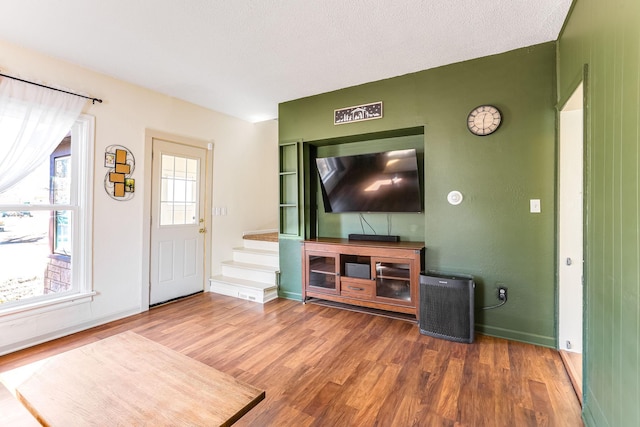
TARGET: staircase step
(253,272)
(244,289)
(267,236)
(249,271)
(256,256)
(261,244)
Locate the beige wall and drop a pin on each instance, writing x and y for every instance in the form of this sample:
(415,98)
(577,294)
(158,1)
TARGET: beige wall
(244,181)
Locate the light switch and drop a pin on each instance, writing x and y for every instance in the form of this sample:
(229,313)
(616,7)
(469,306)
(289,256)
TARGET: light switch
(534,205)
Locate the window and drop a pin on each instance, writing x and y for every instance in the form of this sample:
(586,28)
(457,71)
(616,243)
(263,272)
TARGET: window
(179,192)
(45,241)
(60,194)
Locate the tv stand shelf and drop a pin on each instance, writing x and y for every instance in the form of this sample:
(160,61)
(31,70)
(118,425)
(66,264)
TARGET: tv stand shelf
(378,275)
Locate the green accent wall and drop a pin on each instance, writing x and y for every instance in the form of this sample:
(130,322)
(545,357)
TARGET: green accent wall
(491,235)
(290,268)
(606,37)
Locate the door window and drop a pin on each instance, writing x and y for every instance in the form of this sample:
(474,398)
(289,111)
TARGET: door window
(179,191)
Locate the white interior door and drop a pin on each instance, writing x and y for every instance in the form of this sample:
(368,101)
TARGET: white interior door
(177,221)
(570,225)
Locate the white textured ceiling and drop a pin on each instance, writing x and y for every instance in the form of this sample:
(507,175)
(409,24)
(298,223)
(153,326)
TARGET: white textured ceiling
(243,57)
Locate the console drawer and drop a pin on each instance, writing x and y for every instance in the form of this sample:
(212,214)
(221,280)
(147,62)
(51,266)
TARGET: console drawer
(357,288)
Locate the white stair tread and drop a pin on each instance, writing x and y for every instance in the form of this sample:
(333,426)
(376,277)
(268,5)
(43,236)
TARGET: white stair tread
(247,266)
(242,282)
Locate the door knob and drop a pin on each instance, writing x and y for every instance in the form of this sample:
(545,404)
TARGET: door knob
(202,230)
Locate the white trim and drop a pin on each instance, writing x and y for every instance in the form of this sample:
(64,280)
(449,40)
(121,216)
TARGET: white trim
(82,137)
(67,331)
(146,224)
(47,305)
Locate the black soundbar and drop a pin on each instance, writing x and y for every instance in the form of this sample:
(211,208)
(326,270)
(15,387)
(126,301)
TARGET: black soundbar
(374,237)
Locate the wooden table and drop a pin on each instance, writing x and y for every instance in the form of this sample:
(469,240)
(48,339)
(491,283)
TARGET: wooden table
(128,380)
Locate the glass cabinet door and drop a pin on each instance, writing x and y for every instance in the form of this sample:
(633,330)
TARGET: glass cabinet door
(323,273)
(393,281)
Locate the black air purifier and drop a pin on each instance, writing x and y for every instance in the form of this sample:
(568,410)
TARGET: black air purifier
(446,306)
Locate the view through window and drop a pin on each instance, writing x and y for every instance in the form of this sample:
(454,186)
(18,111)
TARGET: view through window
(35,238)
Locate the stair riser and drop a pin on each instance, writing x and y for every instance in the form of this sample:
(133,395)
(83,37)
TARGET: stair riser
(243,293)
(247,274)
(253,258)
(260,244)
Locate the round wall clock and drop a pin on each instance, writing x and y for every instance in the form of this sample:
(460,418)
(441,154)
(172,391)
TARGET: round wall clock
(484,120)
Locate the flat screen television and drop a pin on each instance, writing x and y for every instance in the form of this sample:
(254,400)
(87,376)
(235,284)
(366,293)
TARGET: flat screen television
(377,182)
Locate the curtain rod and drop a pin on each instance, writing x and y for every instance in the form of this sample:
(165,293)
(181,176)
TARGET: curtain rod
(93,100)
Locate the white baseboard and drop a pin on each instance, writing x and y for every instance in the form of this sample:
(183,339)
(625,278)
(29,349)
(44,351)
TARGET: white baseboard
(67,331)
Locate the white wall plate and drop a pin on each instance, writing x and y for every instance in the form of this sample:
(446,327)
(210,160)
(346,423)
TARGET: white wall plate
(454,197)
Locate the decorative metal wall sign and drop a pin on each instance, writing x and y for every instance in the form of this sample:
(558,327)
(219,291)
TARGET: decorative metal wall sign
(357,113)
(118,182)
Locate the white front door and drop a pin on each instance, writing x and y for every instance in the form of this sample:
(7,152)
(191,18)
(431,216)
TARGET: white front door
(177,220)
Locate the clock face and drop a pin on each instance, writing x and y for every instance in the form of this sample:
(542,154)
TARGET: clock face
(484,120)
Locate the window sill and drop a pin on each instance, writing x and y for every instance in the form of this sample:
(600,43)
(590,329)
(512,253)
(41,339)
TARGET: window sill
(60,257)
(48,305)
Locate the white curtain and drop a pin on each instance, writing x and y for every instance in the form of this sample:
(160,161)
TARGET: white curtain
(33,121)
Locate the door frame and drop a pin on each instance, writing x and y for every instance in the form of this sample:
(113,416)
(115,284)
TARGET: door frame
(573,105)
(581,79)
(150,135)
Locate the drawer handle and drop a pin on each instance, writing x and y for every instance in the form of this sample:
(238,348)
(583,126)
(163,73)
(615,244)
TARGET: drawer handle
(353,288)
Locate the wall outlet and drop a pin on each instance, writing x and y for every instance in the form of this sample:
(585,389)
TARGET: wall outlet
(502,293)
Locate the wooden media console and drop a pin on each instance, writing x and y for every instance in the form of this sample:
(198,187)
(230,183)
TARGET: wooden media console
(378,275)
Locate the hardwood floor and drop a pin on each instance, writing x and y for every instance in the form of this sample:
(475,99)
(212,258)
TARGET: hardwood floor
(573,365)
(322,366)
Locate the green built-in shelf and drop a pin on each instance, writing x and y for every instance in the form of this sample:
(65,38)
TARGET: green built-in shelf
(289,189)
